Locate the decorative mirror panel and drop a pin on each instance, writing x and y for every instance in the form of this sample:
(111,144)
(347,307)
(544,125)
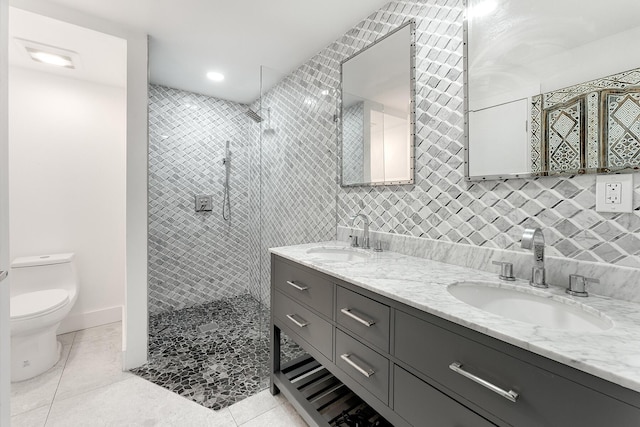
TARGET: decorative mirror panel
(377,112)
(553,88)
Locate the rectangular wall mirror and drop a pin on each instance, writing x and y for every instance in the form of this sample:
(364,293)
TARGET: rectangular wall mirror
(552,88)
(376,126)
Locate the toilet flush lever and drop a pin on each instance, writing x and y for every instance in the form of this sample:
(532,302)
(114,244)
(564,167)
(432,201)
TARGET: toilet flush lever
(3,275)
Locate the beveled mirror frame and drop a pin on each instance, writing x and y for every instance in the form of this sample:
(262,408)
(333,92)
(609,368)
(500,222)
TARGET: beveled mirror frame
(412,108)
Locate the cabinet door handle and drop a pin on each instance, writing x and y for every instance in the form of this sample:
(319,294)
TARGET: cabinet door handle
(366,372)
(366,323)
(509,395)
(300,324)
(298,287)
(3,275)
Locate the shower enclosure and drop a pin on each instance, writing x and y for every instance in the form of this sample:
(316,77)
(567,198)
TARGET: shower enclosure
(209,265)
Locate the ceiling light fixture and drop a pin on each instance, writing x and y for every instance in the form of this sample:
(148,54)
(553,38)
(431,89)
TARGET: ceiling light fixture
(50,55)
(215,76)
(51,58)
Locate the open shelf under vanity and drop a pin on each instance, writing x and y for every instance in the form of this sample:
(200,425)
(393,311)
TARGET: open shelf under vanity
(326,397)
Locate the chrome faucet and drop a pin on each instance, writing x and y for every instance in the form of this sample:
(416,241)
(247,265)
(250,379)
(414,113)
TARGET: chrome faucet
(365,233)
(532,238)
(578,284)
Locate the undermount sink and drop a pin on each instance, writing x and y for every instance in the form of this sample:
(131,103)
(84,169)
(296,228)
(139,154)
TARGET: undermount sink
(340,253)
(530,306)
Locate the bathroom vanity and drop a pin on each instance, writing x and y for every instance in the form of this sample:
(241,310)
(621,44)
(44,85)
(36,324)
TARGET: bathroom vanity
(386,327)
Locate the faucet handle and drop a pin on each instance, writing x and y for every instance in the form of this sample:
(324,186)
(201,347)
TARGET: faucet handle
(578,284)
(354,241)
(506,270)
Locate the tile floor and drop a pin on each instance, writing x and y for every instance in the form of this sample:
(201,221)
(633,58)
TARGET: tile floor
(215,354)
(88,388)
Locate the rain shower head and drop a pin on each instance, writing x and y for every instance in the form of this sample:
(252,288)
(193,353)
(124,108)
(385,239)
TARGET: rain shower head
(253,115)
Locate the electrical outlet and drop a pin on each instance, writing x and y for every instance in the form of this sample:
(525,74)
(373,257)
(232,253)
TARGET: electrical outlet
(614,193)
(203,203)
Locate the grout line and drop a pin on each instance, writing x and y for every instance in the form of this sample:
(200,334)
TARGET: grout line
(60,379)
(232,417)
(278,404)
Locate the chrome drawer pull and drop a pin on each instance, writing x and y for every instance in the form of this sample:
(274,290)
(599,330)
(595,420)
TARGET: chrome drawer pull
(509,395)
(366,323)
(366,372)
(302,325)
(298,287)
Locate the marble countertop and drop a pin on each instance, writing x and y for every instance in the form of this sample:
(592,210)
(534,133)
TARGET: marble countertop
(613,354)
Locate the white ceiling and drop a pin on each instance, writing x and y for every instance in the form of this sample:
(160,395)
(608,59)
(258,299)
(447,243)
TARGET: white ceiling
(236,37)
(102,58)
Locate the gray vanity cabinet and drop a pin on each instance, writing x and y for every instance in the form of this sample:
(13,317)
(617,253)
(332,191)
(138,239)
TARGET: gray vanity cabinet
(363,364)
(306,324)
(422,405)
(544,398)
(364,317)
(399,360)
(313,290)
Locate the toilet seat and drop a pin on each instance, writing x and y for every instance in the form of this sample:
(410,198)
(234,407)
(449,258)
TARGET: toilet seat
(34,304)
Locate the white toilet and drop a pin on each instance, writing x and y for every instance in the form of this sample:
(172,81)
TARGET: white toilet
(43,290)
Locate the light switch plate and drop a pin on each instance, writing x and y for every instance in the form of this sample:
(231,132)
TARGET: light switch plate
(614,193)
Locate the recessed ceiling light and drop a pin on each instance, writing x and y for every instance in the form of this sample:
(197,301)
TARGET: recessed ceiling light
(51,58)
(50,55)
(215,76)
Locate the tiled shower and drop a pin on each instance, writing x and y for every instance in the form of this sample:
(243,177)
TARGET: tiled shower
(285,176)
(195,257)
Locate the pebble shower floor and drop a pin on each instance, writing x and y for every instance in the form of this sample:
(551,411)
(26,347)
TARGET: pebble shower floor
(214,354)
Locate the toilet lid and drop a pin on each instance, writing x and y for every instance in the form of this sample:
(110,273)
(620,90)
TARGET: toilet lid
(32,304)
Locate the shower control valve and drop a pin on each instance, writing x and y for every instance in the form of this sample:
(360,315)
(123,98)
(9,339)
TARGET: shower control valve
(203,203)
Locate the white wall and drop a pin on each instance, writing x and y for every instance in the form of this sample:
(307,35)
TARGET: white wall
(5,356)
(67,163)
(135,321)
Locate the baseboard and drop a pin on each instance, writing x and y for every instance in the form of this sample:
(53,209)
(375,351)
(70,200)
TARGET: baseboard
(76,322)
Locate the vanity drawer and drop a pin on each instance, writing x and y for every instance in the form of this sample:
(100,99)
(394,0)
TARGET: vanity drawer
(309,326)
(422,405)
(364,365)
(364,317)
(305,286)
(544,399)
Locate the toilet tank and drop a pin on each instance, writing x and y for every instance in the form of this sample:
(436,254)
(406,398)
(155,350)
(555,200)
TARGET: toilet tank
(41,272)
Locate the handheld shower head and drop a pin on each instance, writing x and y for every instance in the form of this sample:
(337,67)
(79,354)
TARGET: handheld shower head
(227,154)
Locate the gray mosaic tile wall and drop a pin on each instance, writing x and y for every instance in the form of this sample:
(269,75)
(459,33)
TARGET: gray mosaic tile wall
(298,163)
(441,205)
(353,144)
(195,258)
(292,189)
(300,156)
(258,287)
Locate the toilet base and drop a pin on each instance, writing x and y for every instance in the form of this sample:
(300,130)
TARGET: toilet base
(33,354)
